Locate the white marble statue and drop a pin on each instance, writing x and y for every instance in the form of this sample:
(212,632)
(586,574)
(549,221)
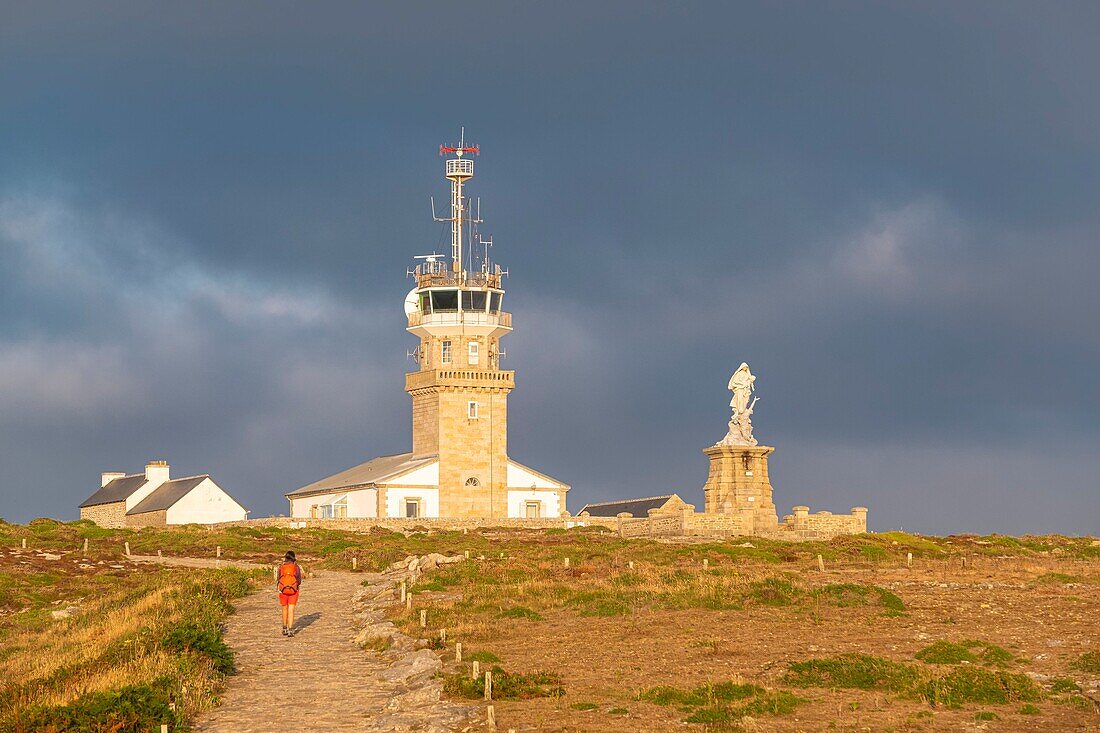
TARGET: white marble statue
(740,425)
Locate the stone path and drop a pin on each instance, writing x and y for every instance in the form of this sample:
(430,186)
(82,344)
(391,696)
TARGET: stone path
(320,679)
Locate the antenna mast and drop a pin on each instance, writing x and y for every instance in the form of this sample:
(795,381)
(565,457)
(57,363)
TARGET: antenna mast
(458,171)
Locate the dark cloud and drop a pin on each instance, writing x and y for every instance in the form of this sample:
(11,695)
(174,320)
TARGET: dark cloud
(206,211)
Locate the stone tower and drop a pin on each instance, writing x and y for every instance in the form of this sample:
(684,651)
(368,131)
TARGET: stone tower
(459,392)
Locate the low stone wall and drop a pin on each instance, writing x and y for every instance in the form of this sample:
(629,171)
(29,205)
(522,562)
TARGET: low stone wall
(430,523)
(825,523)
(679,523)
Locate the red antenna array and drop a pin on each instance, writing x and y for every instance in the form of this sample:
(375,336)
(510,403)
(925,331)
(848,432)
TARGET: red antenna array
(476,149)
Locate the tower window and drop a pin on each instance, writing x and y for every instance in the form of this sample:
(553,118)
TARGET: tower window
(494,302)
(444,300)
(471,410)
(473,300)
(474,348)
(472,481)
(446,347)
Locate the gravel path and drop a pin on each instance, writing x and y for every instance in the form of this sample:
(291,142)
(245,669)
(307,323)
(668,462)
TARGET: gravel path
(320,679)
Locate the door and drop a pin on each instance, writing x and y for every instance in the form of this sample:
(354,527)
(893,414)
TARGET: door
(412,508)
(533,509)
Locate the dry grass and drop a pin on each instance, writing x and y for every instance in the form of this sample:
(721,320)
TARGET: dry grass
(53,671)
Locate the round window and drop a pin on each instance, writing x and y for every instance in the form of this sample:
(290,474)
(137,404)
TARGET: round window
(472,481)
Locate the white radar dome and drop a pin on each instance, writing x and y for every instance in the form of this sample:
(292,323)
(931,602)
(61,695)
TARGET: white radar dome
(412,303)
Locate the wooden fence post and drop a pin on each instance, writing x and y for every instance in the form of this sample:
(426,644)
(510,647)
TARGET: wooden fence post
(127,547)
(25,544)
(821,563)
(706,563)
(490,715)
(85,545)
(404,591)
(423,618)
(160,553)
(567,562)
(488,684)
(409,602)
(458,651)
(218,552)
(475,671)
(443,636)
(467,554)
(630,564)
(355,563)
(909,560)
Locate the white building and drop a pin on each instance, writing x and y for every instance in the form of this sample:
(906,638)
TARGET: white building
(405,485)
(153,499)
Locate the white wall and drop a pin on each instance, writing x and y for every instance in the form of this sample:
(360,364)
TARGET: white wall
(429,501)
(517,503)
(521,478)
(135,498)
(205,504)
(423,476)
(362,503)
(299,506)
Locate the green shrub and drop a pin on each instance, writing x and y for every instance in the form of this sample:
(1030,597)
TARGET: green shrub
(204,640)
(584,706)
(967,684)
(520,612)
(132,709)
(858,671)
(618,711)
(482,657)
(1029,709)
(1088,662)
(1063,684)
(949,652)
(986,715)
(506,685)
(773,592)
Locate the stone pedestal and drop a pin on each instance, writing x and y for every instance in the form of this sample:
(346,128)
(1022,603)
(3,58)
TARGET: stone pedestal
(738,484)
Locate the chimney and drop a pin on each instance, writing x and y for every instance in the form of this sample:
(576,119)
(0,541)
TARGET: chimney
(156,472)
(108,476)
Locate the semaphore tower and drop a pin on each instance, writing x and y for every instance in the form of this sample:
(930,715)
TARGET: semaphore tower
(460,393)
(459,465)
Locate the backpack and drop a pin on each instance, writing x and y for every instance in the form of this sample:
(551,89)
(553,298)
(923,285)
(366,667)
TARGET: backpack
(288,578)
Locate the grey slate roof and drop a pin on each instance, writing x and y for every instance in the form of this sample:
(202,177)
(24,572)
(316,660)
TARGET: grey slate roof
(373,471)
(636,507)
(167,494)
(117,490)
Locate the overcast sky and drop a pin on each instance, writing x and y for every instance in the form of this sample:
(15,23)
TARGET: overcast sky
(890,211)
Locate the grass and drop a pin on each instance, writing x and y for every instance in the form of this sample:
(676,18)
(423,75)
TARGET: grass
(724,704)
(949,652)
(963,684)
(1088,662)
(140,650)
(506,685)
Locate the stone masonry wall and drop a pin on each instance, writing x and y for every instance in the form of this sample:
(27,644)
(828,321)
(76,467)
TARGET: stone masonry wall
(112,516)
(148,519)
(431,523)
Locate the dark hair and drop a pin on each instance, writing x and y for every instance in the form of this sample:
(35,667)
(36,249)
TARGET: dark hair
(289,557)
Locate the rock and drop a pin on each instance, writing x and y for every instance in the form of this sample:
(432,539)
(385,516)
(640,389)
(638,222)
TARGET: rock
(423,662)
(65,612)
(1038,677)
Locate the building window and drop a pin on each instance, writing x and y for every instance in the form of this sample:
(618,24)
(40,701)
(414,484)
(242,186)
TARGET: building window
(340,507)
(472,481)
(412,508)
(471,410)
(474,348)
(446,346)
(533,509)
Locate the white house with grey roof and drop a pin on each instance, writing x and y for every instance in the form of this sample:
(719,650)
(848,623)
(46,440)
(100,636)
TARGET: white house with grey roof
(407,486)
(154,499)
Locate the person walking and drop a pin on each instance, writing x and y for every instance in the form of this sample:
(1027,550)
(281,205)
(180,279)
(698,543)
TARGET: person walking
(290,580)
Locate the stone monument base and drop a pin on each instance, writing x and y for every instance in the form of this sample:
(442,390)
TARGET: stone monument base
(738,484)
